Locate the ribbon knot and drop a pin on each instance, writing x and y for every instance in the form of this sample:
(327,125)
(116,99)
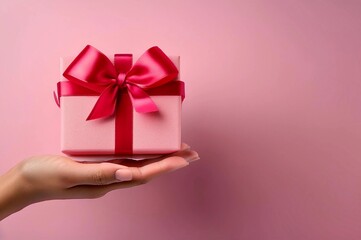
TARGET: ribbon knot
(91,69)
(121,80)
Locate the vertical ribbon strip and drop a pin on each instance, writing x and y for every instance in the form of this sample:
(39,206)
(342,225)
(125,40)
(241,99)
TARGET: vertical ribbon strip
(124,109)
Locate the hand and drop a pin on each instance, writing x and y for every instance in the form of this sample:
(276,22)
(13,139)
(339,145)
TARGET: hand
(43,178)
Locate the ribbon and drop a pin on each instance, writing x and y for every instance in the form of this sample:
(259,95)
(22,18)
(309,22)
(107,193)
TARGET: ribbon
(120,87)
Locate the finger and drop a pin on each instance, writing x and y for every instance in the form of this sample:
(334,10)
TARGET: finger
(107,173)
(140,175)
(132,162)
(185,146)
(122,160)
(97,174)
(150,171)
(187,154)
(93,191)
(155,168)
(147,169)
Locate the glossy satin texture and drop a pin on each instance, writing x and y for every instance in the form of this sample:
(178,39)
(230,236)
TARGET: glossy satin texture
(92,70)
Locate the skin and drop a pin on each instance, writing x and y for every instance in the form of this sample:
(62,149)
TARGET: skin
(48,177)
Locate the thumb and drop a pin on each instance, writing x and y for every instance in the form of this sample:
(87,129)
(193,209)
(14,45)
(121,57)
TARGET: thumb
(99,173)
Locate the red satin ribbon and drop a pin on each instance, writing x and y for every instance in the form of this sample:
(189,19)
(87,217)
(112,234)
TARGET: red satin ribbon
(121,87)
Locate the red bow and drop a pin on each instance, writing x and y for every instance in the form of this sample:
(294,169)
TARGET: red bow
(91,69)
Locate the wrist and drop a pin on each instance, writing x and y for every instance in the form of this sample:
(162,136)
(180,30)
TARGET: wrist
(15,194)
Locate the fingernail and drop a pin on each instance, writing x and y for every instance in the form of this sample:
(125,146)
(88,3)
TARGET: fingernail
(185,146)
(191,156)
(193,159)
(123,174)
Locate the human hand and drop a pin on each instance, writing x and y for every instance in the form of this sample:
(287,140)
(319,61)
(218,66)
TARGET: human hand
(49,177)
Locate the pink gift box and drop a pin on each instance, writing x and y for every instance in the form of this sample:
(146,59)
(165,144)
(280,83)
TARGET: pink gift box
(153,133)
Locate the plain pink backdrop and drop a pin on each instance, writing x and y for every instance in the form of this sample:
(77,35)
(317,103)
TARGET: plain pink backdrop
(273,107)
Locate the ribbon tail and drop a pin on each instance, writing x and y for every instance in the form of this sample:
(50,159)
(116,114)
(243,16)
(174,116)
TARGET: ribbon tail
(57,94)
(141,101)
(105,105)
(56,98)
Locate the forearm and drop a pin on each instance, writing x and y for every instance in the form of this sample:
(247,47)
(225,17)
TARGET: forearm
(12,193)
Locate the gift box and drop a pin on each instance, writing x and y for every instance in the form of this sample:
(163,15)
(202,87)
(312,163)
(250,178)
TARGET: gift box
(110,106)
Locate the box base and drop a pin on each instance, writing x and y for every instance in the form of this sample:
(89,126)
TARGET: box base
(106,158)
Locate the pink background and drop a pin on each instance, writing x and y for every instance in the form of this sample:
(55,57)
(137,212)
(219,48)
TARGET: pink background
(273,107)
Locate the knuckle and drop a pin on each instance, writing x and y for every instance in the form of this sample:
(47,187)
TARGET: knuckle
(163,166)
(144,181)
(98,177)
(140,177)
